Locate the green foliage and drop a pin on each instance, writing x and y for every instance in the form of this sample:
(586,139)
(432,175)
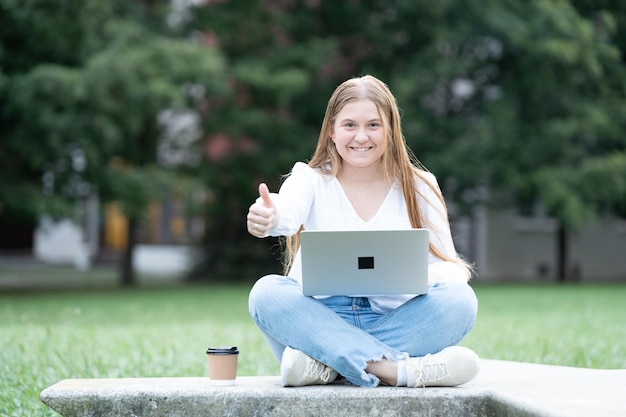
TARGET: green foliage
(558,195)
(603,183)
(520,97)
(511,95)
(48,31)
(80,115)
(598,186)
(47,104)
(562,99)
(128,87)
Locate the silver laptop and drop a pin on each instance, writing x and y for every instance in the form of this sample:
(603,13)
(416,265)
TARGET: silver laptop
(364,263)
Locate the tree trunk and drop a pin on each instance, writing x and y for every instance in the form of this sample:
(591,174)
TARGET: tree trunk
(127,271)
(561,253)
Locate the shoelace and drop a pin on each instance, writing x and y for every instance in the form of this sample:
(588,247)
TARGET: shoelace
(431,370)
(316,369)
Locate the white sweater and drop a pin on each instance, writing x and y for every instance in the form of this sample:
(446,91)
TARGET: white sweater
(318,202)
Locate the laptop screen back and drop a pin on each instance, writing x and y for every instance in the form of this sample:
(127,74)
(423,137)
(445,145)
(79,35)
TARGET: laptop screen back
(365,263)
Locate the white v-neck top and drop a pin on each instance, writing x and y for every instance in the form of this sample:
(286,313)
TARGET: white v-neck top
(318,202)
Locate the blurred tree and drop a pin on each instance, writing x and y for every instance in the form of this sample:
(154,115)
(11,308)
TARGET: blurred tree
(513,96)
(271,121)
(129,86)
(31,34)
(88,122)
(525,98)
(562,104)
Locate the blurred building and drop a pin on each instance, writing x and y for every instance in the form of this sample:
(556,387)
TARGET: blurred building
(166,236)
(506,246)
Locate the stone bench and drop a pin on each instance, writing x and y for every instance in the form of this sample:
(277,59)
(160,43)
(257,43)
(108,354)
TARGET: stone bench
(501,389)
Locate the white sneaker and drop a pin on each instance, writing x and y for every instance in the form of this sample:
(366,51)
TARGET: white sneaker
(298,369)
(452,366)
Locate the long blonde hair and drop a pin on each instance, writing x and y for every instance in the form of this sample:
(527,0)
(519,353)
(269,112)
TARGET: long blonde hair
(399,162)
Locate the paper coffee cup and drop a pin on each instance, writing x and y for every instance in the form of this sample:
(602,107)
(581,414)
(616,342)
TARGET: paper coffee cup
(222,364)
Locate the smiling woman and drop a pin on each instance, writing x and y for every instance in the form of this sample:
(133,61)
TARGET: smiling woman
(363,177)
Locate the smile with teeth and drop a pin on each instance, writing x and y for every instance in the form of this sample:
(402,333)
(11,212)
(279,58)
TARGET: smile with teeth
(361,149)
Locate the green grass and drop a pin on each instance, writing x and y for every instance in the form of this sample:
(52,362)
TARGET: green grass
(572,325)
(47,336)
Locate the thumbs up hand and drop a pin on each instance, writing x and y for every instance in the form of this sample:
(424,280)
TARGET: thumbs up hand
(262,215)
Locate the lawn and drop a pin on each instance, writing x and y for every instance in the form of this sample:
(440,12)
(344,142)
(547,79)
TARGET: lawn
(46,336)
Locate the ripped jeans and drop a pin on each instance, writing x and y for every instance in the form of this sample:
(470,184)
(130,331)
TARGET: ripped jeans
(345,333)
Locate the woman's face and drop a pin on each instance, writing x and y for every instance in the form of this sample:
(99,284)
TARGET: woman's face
(359,134)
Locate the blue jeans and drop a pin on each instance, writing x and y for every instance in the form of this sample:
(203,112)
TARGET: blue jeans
(344,333)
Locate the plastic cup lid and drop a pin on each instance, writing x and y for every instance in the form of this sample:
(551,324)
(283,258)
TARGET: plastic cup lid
(232,350)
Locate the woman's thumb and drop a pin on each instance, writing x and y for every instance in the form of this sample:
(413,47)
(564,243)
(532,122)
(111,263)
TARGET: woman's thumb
(264,192)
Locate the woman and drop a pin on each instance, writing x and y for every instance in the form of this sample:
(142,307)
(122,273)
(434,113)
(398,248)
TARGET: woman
(363,176)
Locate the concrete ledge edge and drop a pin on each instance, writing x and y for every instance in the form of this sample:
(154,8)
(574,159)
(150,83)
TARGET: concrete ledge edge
(501,389)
